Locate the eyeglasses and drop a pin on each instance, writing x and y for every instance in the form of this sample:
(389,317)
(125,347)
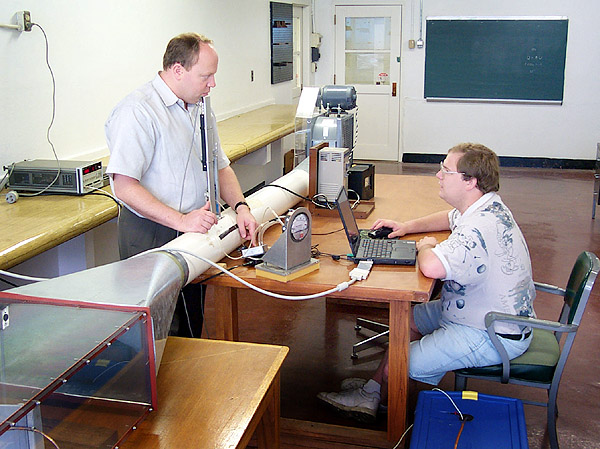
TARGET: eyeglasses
(445,171)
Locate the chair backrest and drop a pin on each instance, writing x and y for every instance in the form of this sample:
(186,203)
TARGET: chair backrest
(579,287)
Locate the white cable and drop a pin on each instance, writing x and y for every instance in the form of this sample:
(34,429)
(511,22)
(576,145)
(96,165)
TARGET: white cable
(22,276)
(462,418)
(10,26)
(402,437)
(338,288)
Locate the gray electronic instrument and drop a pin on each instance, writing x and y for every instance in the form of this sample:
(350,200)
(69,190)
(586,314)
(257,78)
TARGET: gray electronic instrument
(291,252)
(51,176)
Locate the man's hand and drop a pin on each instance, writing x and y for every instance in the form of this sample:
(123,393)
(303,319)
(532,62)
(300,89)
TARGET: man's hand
(198,220)
(246,224)
(426,242)
(398,228)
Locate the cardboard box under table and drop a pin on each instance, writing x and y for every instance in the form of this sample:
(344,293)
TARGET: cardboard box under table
(489,421)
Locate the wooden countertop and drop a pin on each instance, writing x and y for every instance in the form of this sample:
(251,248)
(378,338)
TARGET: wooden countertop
(33,225)
(245,133)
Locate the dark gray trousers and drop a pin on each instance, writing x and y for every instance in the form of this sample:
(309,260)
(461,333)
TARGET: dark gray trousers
(138,234)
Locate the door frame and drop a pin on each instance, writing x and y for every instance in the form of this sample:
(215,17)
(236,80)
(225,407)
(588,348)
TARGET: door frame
(400,23)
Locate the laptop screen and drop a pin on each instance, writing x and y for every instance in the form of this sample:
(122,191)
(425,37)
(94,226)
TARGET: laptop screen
(347,216)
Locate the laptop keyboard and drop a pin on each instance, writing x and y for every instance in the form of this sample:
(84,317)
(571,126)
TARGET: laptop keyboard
(376,247)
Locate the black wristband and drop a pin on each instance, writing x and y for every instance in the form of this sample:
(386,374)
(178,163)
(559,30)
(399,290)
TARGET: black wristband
(238,204)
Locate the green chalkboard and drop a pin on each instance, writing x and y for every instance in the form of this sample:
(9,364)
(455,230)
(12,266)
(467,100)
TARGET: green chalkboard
(505,59)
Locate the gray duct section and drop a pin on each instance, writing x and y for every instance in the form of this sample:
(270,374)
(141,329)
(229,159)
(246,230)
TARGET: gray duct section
(150,281)
(153,280)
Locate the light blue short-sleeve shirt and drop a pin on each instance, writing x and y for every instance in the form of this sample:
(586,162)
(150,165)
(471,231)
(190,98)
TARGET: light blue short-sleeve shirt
(487,264)
(153,137)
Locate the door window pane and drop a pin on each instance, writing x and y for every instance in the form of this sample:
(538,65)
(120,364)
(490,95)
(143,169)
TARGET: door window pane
(367,49)
(368,33)
(367,68)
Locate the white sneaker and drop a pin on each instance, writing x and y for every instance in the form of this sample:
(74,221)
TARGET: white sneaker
(352,383)
(356,403)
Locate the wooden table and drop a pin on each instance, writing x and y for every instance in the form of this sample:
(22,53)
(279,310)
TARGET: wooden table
(397,197)
(214,394)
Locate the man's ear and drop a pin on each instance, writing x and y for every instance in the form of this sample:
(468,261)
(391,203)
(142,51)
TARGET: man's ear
(177,70)
(471,183)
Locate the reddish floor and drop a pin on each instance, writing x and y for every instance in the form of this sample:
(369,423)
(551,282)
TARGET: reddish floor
(553,208)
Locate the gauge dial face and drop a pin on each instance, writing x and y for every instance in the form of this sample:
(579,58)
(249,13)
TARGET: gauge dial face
(299,227)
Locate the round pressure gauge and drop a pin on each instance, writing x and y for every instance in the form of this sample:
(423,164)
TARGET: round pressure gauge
(299,226)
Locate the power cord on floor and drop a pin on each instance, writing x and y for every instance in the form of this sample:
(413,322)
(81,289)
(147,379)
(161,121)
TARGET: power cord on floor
(402,437)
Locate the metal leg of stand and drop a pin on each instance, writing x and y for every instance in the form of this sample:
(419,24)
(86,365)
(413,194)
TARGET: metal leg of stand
(381,329)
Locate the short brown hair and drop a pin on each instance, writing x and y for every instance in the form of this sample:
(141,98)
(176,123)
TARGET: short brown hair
(184,49)
(479,162)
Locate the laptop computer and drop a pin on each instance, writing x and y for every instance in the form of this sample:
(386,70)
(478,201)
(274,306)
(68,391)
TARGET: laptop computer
(380,251)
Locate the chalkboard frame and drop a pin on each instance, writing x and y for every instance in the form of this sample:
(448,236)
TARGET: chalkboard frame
(526,63)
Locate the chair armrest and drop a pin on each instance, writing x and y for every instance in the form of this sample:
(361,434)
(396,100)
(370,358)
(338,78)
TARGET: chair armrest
(549,288)
(492,317)
(526,321)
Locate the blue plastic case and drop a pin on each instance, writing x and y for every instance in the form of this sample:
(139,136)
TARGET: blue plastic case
(498,422)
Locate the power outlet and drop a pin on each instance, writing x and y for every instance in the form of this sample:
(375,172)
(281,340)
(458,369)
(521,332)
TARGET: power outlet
(4,316)
(24,20)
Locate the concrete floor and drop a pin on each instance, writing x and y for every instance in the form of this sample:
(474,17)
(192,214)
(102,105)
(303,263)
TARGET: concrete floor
(553,208)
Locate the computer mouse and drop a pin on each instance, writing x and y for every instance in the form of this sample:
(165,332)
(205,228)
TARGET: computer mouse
(380,233)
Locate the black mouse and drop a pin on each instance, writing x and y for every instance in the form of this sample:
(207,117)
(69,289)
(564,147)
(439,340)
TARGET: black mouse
(380,233)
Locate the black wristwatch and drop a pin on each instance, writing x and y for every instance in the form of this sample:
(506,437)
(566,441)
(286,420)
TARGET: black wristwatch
(238,204)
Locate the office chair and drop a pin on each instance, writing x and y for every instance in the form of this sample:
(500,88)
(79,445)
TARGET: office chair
(382,331)
(543,363)
(596,182)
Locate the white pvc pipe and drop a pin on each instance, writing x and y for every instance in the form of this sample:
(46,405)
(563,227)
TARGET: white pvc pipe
(262,204)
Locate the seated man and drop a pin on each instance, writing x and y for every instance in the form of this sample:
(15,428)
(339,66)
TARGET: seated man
(485,267)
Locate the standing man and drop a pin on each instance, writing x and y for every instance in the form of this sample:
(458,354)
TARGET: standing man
(485,267)
(155,165)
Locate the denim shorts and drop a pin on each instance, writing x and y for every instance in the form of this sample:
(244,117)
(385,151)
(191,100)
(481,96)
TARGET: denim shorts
(447,346)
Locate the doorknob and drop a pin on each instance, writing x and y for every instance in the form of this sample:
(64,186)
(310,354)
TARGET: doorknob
(394,89)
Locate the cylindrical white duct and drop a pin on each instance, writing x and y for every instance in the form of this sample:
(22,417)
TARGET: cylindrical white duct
(264,204)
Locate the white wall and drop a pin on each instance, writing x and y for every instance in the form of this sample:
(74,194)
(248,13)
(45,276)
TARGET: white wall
(570,131)
(100,50)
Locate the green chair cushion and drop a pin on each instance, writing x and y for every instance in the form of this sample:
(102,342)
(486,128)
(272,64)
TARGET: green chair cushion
(537,364)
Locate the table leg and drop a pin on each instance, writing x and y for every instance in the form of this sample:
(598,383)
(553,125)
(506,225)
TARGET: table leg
(399,340)
(226,312)
(267,431)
